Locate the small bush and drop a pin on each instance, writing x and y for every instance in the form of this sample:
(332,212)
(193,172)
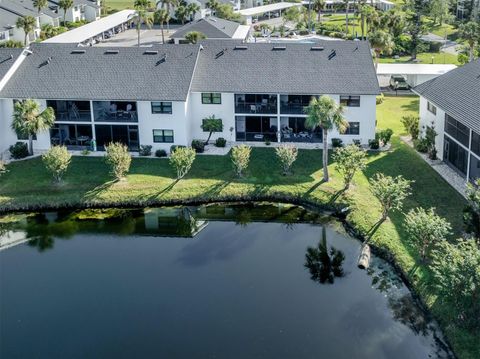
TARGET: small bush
(240,158)
(182,160)
(85,152)
(380,98)
(221,142)
(3,167)
(198,146)
(287,155)
(267,142)
(421,145)
(174,147)
(119,159)
(412,125)
(145,150)
(384,136)
(337,142)
(357,143)
(19,150)
(56,160)
(161,153)
(374,144)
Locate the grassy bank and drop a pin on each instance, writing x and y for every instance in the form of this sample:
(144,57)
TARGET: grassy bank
(150,181)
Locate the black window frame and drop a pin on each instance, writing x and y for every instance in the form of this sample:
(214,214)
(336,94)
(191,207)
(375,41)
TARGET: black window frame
(349,129)
(457,130)
(475,143)
(162,106)
(162,136)
(208,98)
(431,108)
(350,101)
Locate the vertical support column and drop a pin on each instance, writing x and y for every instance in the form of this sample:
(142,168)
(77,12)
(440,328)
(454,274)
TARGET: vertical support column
(468,154)
(279,136)
(92,121)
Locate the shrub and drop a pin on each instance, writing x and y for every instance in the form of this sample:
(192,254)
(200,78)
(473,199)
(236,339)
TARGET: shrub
(349,160)
(145,150)
(119,159)
(161,153)
(267,142)
(221,142)
(210,125)
(3,167)
(374,144)
(357,143)
(337,142)
(19,150)
(198,146)
(182,160)
(287,154)
(174,147)
(56,160)
(380,98)
(411,124)
(421,145)
(240,158)
(390,192)
(384,136)
(85,152)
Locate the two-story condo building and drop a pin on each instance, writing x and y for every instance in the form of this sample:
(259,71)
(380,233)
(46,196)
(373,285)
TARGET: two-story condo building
(451,103)
(159,95)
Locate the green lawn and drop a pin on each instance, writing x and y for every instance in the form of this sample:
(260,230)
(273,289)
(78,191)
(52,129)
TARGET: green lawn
(119,4)
(150,181)
(425,58)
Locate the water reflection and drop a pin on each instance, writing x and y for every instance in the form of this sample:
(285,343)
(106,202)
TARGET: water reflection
(324,263)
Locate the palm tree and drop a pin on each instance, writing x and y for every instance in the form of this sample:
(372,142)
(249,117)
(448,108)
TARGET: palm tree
(381,41)
(212,5)
(40,4)
(326,114)
(181,14)
(28,119)
(65,5)
(141,16)
(192,9)
(318,6)
(168,5)
(470,32)
(371,15)
(26,23)
(142,4)
(194,36)
(363,10)
(347,3)
(162,16)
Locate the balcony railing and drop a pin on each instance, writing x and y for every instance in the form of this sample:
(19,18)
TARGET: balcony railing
(293,108)
(255,107)
(73,115)
(116,116)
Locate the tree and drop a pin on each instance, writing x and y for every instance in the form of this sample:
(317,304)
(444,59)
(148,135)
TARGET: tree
(119,159)
(326,114)
(161,17)
(225,11)
(240,159)
(27,24)
(65,5)
(192,9)
(40,4)
(381,42)
(471,213)
(181,14)
(456,271)
(211,124)
(349,160)
(363,11)
(212,5)
(182,159)
(29,119)
(415,23)
(56,160)
(142,4)
(193,37)
(470,32)
(318,6)
(292,14)
(425,228)
(287,155)
(346,4)
(390,192)
(372,18)
(141,16)
(439,10)
(3,169)
(411,124)
(167,5)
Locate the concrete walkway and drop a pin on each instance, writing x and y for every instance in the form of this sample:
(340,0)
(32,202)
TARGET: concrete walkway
(449,46)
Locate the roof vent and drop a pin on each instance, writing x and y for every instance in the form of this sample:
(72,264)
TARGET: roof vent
(162,60)
(332,54)
(279,48)
(221,53)
(78,52)
(151,52)
(240,47)
(317,48)
(111,52)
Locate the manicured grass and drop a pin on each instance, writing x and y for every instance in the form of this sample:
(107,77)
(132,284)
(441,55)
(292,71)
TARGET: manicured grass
(425,58)
(150,181)
(119,4)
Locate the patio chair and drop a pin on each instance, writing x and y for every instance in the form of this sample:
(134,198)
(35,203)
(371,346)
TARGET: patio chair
(253,108)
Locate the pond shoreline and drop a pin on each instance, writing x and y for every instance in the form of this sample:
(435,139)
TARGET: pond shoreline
(330,209)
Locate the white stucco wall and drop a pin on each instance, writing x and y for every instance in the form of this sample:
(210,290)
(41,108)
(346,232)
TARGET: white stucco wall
(427,118)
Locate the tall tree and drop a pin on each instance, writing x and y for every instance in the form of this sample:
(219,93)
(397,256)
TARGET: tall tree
(326,114)
(346,4)
(193,37)
(181,14)
(362,10)
(161,17)
(168,5)
(318,6)
(141,16)
(192,9)
(470,32)
(27,24)
(415,23)
(29,119)
(40,4)
(372,18)
(212,5)
(65,5)
(381,42)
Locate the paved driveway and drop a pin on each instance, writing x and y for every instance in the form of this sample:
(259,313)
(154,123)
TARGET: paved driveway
(148,37)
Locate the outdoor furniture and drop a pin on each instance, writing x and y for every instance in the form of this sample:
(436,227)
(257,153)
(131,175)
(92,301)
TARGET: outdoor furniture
(258,136)
(82,139)
(253,108)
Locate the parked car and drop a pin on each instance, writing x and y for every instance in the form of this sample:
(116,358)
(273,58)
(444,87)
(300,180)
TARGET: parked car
(398,82)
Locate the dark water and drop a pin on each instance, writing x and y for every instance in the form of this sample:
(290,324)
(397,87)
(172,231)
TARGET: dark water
(206,282)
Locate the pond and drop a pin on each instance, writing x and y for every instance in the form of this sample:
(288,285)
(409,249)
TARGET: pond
(218,281)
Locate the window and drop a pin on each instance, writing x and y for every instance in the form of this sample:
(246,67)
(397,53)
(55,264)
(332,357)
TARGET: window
(457,130)
(163,136)
(162,107)
(353,128)
(475,146)
(431,108)
(350,101)
(211,98)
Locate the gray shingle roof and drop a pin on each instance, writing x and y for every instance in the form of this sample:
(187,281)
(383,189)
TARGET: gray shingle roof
(457,93)
(131,74)
(7,58)
(264,68)
(212,27)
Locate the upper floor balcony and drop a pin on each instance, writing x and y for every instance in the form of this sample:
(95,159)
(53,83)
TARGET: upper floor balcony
(71,111)
(256,103)
(294,104)
(115,111)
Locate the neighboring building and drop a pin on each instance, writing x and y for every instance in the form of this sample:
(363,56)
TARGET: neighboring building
(452,103)
(213,28)
(415,74)
(159,95)
(10,11)
(468,9)
(87,10)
